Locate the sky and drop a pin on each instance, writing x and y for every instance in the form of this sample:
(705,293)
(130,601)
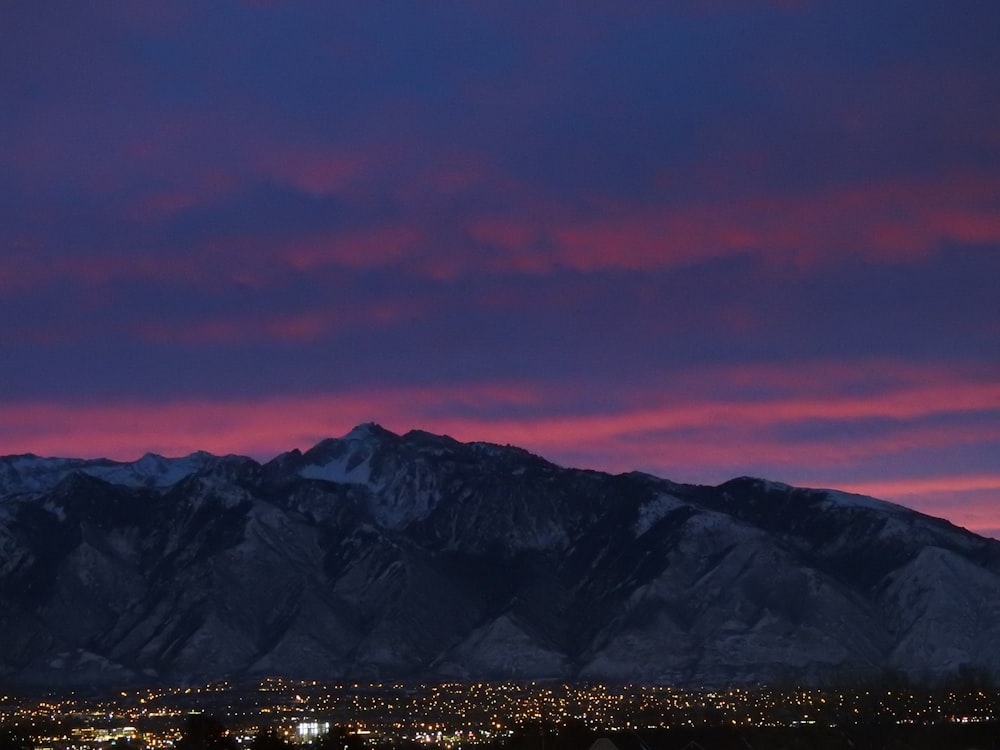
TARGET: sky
(698,238)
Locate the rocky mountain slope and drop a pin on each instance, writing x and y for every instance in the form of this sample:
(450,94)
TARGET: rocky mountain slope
(416,556)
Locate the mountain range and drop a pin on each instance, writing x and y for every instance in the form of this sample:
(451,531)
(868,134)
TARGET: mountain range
(415,556)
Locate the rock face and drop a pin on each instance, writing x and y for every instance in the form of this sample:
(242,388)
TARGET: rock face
(416,556)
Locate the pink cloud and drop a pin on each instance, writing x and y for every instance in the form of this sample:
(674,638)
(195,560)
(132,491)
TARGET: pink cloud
(314,171)
(704,435)
(968,500)
(886,222)
(456,172)
(375,247)
(717,451)
(658,415)
(927,485)
(311,325)
(218,331)
(889,221)
(318,168)
(202,189)
(704,399)
(39,267)
(260,427)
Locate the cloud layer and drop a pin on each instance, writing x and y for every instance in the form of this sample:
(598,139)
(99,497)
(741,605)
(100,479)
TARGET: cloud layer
(699,239)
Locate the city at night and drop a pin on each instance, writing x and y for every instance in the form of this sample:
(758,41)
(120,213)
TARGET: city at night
(593,375)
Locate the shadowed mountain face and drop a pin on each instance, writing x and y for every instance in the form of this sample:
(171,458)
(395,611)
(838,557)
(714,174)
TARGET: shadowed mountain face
(416,556)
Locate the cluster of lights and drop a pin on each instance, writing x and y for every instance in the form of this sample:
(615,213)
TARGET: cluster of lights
(452,715)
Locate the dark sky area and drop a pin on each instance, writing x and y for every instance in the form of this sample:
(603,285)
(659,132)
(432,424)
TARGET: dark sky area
(700,238)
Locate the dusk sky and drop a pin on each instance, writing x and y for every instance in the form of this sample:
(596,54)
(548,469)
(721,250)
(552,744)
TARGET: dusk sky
(698,238)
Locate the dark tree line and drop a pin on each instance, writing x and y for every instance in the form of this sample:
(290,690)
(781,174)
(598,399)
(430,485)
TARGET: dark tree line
(204,732)
(14,738)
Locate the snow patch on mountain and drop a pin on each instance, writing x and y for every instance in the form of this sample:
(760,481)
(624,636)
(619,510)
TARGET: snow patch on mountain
(503,649)
(768,485)
(653,512)
(941,592)
(367,432)
(34,474)
(838,499)
(151,470)
(345,470)
(56,509)
(29,473)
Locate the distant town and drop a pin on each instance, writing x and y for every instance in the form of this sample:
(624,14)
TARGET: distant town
(457,715)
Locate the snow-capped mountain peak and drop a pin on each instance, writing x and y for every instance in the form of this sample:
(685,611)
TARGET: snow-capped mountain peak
(369,431)
(32,474)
